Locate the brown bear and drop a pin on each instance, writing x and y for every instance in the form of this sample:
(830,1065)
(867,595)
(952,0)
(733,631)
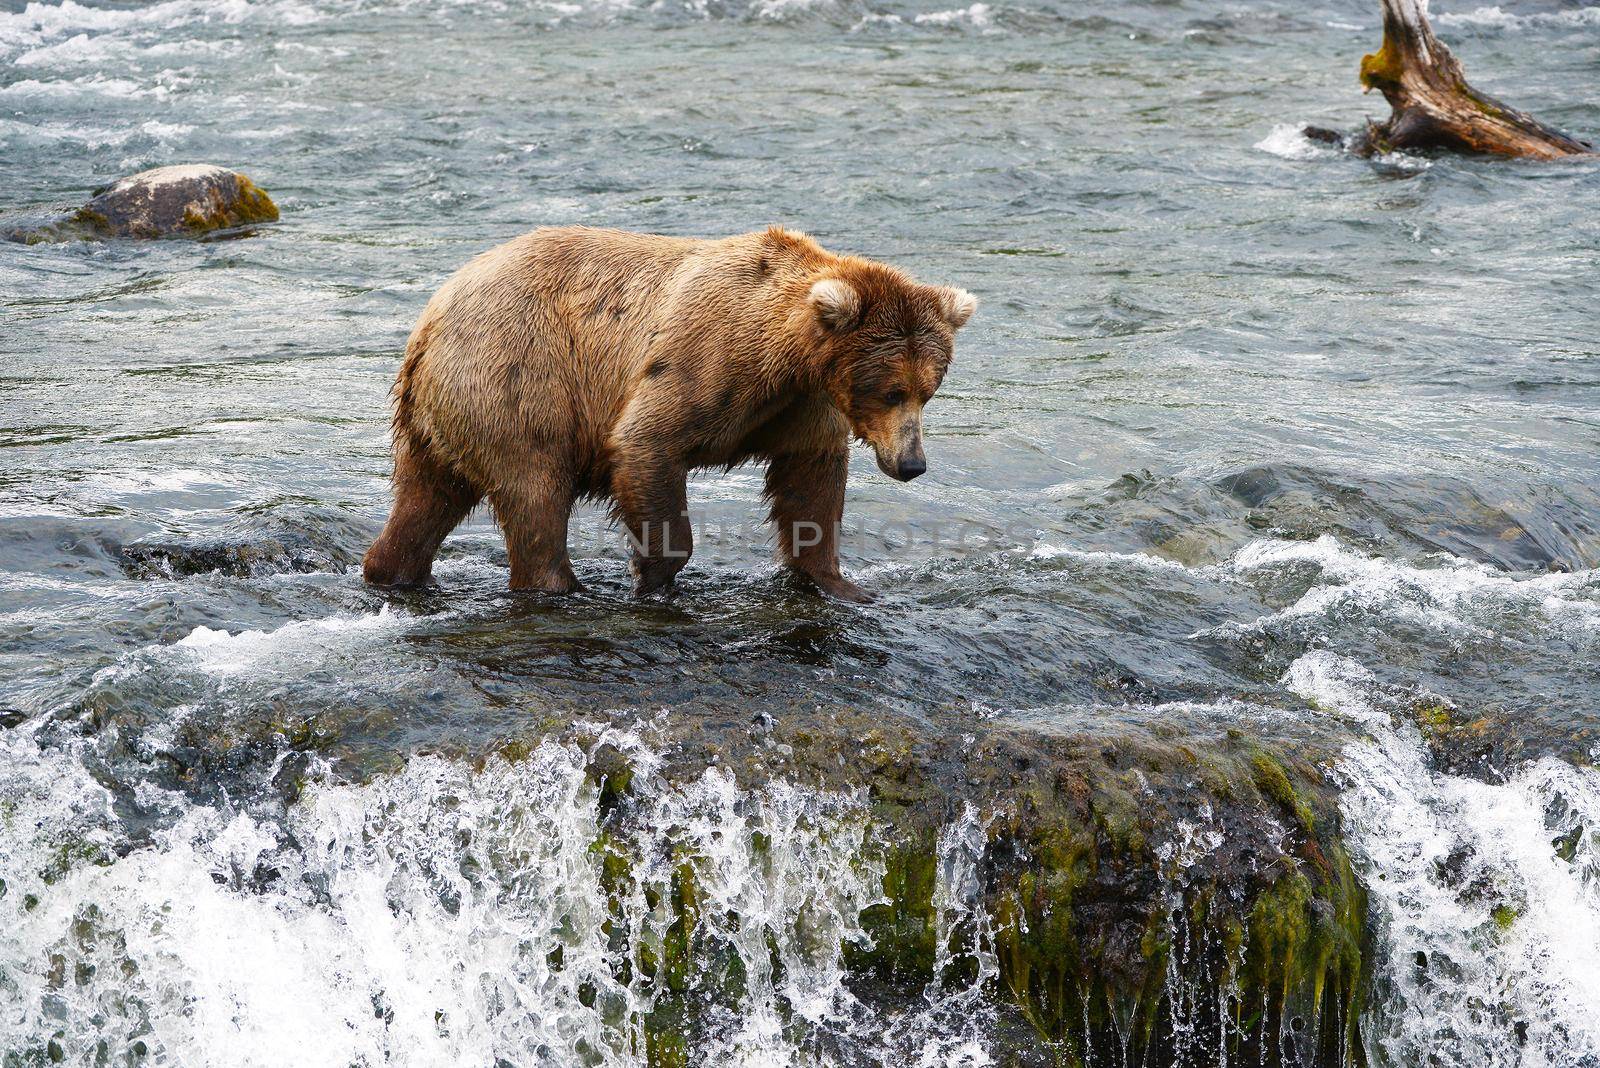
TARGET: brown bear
(581,363)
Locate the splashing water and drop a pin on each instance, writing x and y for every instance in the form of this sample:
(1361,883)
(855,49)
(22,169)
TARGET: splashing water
(951,1030)
(1487,894)
(442,916)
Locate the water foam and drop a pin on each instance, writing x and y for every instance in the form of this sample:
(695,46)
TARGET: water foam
(783,10)
(291,647)
(73,34)
(1288,140)
(978,16)
(91,85)
(1444,592)
(1101,557)
(951,1032)
(1498,18)
(445,916)
(39,24)
(1486,896)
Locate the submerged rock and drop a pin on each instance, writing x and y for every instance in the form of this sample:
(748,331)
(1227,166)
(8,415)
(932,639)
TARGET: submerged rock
(264,554)
(187,200)
(290,537)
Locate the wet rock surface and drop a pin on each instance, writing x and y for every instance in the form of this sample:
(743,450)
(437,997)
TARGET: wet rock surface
(1482,742)
(1148,890)
(266,554)
(189,200)
(1146,885)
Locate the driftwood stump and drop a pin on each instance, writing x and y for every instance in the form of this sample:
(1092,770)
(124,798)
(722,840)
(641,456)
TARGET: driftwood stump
(1434,107)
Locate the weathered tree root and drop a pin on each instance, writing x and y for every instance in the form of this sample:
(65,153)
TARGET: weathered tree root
(1434,107)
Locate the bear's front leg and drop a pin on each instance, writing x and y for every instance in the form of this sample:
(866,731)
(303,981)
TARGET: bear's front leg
(807,495)
(652,498)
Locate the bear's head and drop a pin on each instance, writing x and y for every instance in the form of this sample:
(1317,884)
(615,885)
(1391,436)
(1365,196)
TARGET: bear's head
(887,342)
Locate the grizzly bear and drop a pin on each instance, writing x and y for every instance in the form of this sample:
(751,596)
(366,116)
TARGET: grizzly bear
(582,363)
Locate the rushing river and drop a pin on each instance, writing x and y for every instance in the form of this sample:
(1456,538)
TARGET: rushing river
(1246,434)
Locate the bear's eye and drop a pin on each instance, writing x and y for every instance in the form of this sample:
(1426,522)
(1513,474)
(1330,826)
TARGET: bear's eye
(895,398)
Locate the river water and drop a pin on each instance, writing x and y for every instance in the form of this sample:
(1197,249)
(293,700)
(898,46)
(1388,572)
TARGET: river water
(1241,422)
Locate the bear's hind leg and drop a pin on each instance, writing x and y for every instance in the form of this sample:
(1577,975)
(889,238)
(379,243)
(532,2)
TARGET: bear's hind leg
(429,502)
(533,509)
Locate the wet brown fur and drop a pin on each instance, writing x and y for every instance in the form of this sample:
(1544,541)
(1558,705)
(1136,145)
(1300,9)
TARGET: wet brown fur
(571,363)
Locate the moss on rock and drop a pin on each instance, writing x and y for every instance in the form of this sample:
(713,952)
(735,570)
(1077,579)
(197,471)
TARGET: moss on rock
(190,200)
(1173,898)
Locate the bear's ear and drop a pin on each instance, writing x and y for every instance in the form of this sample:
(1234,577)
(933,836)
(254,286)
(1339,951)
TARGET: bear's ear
(836,302)
(956,305)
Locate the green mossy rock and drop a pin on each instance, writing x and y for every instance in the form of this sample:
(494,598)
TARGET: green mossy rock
(190,200)
(1175,899)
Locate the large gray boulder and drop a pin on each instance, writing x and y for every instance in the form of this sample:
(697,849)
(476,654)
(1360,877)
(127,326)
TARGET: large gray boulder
(180,201)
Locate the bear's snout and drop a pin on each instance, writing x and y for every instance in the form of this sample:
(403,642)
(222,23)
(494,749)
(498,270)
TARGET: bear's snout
(904,460)
(896,439)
